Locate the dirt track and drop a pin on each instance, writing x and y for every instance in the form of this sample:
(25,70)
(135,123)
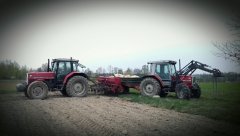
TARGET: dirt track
(99,115)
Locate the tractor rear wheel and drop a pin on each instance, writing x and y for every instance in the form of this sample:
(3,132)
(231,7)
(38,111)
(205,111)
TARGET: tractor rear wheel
(37,90)
(196,91)
(149,87)
(77,86)
(182,91)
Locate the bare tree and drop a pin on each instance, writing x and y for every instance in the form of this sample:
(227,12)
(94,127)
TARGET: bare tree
(229,50)
(145,69)
(100,70)
(110,69)
(115,70)
(234,25)
(43,68)
(128,71)
(120,71)
(88,72)
(136,71)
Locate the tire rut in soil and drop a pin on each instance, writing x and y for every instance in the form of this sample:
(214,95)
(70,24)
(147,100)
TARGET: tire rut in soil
(100,115)
(74,115)
(113,114)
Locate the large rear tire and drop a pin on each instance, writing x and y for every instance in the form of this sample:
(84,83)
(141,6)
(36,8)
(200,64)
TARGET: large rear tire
(37,90)
(196,91)
(149,87)
(77,86)
(182,91)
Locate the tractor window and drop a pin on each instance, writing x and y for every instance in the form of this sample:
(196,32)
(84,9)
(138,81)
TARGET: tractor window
(158,69)
(68,67)
(172,69)
(64,68)
(75,67)
(54,67)
(61,68)
(163,71)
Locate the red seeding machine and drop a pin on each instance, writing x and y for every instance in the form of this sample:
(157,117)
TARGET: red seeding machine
(161,79)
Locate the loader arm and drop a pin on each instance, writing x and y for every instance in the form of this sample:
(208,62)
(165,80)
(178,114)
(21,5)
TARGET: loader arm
(191,67)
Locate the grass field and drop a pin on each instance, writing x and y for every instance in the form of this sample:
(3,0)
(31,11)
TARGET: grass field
(221,104)
(8,86)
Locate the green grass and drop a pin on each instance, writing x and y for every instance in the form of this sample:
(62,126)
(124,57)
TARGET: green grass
(221,104)
(8,86)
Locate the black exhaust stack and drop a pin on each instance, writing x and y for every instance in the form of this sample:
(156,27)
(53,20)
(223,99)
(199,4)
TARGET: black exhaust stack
(48,68)
(179,64)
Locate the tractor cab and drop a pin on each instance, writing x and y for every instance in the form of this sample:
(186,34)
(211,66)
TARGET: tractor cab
(166,70)
(62,67)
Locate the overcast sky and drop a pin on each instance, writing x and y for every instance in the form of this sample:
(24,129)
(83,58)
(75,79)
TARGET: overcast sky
(119,34)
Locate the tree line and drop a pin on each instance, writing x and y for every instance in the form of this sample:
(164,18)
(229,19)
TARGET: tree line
(12,70)
(227,77)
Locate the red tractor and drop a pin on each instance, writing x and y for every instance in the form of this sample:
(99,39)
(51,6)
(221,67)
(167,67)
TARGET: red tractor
(64,75)
(161,79)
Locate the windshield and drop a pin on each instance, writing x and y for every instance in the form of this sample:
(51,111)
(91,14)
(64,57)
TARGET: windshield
(163,71)
(172,70)
(54,66)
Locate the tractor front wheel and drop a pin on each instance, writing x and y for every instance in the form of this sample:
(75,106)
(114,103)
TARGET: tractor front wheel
(37,90)
(149,87)
(182,91)
(77,86)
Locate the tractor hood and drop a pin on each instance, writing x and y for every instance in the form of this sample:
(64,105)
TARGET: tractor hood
(41,75)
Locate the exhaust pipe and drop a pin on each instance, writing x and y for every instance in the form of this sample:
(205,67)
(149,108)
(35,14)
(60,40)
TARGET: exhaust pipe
(179,62)
(48,68)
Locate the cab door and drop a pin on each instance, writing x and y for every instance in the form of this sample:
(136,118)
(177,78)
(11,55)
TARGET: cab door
(163,71)
(64,68)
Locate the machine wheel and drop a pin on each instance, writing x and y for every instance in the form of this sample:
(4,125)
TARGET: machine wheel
(196,91)
(182,91)
(37,90)
(149,87)
(77,86)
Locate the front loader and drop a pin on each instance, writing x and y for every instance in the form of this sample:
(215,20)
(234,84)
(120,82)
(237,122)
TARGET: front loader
(161,79)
